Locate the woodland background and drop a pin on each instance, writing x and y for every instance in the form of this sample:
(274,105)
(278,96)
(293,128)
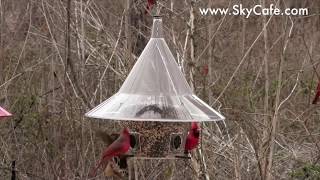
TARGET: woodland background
(59,58)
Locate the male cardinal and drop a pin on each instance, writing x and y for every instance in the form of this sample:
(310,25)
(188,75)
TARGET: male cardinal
(316,98)
(118,147)
(192,138)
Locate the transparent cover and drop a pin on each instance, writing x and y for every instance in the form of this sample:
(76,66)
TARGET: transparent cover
(4,113)
(155,89)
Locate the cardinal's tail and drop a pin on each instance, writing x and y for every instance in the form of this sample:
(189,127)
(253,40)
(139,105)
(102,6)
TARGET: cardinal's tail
(93,173)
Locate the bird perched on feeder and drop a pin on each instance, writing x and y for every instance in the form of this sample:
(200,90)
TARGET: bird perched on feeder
(192,140)
(316,98)
(122,161)
(119,147)
(109,139)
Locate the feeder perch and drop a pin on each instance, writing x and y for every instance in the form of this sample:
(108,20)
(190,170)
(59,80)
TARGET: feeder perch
(155,102)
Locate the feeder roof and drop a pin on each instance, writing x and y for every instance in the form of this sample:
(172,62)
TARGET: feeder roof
(155,90)
(4,113)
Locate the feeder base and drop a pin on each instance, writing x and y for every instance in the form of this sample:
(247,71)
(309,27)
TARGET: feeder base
(175,168)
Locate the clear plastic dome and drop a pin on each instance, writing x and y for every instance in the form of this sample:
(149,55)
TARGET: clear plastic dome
(4,113)
(155,90)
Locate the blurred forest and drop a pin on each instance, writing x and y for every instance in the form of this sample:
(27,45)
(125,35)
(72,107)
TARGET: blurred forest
(60,58)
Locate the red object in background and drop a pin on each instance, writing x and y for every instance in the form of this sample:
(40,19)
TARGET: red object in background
(118,147)
(4,113)
(316,98)
(192,138)
(150,4)
(205,70)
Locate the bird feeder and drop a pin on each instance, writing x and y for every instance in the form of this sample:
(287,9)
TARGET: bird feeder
(155,102)
(4,113)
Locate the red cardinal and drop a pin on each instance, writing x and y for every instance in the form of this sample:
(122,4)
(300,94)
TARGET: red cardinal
(150,5)
(118,147)
(316,98)
(192,138)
